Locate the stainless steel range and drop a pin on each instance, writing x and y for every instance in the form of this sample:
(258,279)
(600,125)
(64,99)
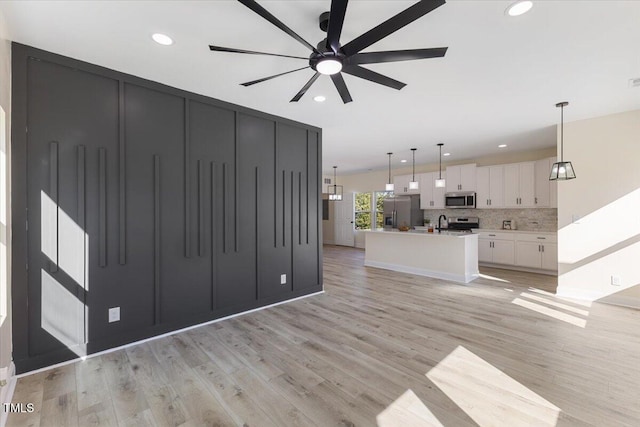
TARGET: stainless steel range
(464,223)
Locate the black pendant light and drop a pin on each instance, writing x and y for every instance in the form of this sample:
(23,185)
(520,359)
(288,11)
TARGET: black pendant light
(414,185)
(440,183)
(389,186)
(562,171)
(335,191)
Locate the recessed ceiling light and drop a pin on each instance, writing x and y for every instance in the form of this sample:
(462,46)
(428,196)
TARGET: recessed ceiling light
(162,39)
(519,8)
(319,98)
(446,154)
(502,145)
(403,161)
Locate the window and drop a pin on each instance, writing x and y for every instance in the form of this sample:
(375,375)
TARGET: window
(363,211)
(367,211)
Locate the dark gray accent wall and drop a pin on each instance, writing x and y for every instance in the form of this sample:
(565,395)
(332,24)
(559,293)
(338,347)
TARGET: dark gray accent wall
(175,207)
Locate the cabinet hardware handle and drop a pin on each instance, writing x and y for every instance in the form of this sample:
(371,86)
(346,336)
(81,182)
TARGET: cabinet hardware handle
(542,248)
(541,238)
(536,200)
(492,235)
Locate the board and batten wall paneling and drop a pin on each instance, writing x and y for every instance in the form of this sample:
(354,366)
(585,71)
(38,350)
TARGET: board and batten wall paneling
(174,207)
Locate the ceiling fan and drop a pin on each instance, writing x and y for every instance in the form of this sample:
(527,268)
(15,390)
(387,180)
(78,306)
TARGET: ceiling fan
(330,57)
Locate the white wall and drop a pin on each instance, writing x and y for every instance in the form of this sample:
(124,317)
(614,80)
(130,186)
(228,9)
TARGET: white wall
(599,211)
(5,206)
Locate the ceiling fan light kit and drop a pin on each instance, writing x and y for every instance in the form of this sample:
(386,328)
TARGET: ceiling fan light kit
(331,58)
(562,171)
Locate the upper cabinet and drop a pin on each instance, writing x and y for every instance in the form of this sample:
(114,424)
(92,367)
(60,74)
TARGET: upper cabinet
(490,187)
(431,197)
(461,178)
(519,185)
(401,184)
(546,192)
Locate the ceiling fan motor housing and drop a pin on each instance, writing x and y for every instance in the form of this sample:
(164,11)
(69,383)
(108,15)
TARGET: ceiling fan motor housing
(323,20)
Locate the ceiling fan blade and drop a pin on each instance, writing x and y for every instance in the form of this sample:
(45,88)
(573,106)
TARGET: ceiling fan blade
(336,19)
(250,52)
(391,25)
(365,73)
(305,88)
(251,4)
(397,55)
(264,79)
(338,81)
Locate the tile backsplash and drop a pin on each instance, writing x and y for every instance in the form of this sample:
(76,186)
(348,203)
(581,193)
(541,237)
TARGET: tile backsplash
(538,219)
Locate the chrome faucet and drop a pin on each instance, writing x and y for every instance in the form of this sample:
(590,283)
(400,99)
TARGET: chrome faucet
(440,222)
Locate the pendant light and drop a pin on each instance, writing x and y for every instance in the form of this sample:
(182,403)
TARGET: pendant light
(414,185)
(562,171)
(440,182)
(389,186)
(335,191)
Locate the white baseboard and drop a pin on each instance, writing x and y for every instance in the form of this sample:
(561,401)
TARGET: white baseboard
(6,392)
(460,278)
(155,337)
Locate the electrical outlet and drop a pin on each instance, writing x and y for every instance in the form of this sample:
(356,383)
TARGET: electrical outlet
(615,280)
(283,279)
(114,314)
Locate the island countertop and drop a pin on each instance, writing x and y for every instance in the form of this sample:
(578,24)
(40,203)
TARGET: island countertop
(425,233)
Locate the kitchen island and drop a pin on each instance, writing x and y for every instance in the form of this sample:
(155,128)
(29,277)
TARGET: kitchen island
(447,255)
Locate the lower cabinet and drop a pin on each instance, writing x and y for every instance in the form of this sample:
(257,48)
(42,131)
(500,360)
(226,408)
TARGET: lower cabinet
(527,250)
(537,255)
(496,251)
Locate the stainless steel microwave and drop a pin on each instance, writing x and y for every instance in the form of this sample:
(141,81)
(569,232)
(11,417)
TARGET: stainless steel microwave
(460,200)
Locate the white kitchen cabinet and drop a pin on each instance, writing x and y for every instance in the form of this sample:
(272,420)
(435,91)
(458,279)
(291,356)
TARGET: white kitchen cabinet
(401,185)
(519,185)
(537,251)
(490,187)
(461,178)
(546,191)
(431,197)
(496,248)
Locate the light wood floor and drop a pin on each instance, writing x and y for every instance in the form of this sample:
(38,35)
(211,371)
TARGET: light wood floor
(378,348)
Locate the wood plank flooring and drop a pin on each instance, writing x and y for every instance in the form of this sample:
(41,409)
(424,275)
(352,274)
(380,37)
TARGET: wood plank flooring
(378,348)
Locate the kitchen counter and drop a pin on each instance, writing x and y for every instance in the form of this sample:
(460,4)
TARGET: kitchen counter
(448,255)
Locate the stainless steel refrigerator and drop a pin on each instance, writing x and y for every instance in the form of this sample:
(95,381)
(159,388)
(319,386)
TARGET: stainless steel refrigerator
(402,210)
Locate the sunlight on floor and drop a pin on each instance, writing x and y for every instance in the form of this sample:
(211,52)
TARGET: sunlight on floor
(407,410)
(573,301)
(488,395)
(558,315)
(497,279)
(549,301)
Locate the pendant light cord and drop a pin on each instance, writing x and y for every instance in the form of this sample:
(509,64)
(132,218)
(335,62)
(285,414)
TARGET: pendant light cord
(335,180)
(562,133)
(389,154)
(413,174)
(440,171)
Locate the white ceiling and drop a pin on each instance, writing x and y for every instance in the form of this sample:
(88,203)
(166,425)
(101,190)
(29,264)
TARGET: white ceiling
(497,84)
